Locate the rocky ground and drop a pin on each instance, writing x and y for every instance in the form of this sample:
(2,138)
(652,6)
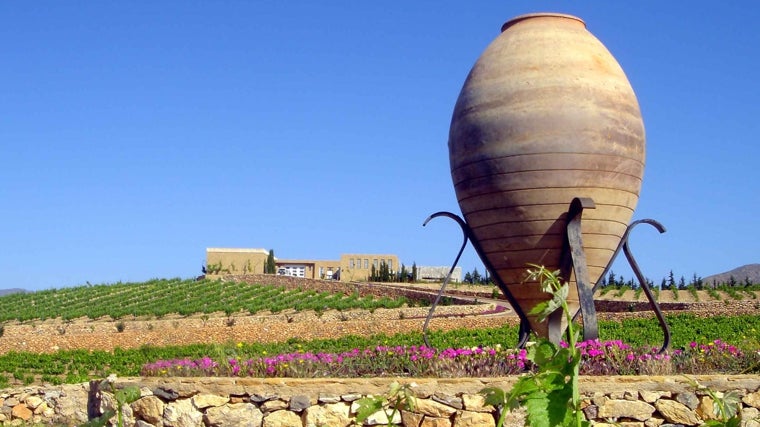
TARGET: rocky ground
(103,334)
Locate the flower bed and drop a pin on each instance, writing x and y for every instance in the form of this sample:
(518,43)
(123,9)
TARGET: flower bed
(597,358)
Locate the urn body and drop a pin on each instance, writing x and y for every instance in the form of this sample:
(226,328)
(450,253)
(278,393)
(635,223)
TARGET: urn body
(545,115)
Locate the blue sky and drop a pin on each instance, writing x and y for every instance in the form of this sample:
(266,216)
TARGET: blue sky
(136,134)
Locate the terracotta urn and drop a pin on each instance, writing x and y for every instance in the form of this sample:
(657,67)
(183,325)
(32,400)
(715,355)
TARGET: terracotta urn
(545,115)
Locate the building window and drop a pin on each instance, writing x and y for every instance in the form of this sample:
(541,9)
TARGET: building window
(390,264)
(351,263)
(374,263)
(366,264)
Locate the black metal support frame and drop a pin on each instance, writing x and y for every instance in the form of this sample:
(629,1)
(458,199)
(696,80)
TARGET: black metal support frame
(573,259)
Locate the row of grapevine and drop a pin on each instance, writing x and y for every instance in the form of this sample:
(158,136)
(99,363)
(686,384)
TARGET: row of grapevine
(81,365)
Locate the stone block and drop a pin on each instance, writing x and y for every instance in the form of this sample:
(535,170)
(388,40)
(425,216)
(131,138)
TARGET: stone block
(148,408)
(689,399)
(435,422)
(182,413)
(331,414)
(751,417)
(274,405)
(476,402)
(432,408)
(752,399)
(234,414)
(676,412)
(33,402)
(411,419)
(282,419)
(299,403)
(616,408)
(22,412)
(474,419)
(207,400)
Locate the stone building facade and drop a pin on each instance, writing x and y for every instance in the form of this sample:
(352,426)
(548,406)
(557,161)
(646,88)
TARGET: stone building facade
(350,267)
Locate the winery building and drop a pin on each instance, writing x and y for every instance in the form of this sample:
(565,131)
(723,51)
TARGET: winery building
(350,267)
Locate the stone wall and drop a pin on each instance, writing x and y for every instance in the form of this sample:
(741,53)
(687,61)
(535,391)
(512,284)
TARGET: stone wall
(650,401)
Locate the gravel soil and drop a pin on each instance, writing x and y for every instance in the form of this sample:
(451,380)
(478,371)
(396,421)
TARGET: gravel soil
(103,334)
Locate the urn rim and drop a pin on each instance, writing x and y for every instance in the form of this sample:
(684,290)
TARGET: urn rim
(526,16)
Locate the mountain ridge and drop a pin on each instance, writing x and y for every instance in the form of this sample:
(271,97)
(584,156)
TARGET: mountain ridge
(740,274)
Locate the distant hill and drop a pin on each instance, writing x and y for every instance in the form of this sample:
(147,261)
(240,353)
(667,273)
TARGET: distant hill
(751,271)
(11,291)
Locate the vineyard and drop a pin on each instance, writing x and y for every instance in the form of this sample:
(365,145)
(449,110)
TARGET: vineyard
(160,297)
(232,319)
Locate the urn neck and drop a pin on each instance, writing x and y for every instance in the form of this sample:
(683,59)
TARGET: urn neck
(528,16)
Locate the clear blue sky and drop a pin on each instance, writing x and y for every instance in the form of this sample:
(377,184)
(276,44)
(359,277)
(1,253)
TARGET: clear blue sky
(136,134)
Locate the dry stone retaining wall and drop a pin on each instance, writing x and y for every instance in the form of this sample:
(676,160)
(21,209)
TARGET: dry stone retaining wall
(651,401)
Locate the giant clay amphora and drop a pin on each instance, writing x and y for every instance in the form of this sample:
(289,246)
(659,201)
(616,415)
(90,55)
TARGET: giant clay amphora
(546,115)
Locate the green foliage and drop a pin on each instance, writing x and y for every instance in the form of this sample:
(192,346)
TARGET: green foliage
(551,394)
(158,298)
(213,268)
(270,267)
(725,405)
(101,421)
(497,398)
(161,297)
(399,397)
(475,278)
(76,366)
(732,292)
(381,274)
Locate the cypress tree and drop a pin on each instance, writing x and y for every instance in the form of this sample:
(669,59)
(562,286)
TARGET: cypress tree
(270,267)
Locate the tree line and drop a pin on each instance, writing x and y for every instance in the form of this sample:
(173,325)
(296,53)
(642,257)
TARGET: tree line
(384,274)
(670,282)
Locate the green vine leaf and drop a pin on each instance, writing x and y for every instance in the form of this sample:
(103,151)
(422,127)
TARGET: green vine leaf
(537,405)
(523,387)
(542,353)
(731,403)
(368,406)
(127,395)
(494,396)
(100,421)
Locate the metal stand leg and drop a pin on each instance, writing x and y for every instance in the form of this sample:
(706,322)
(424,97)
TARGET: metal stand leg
(643,281)
(524,325)
(465,232)
(624,246)
(573,257)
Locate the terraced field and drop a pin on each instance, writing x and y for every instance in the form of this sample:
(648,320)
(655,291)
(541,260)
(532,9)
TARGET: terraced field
(179,312)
